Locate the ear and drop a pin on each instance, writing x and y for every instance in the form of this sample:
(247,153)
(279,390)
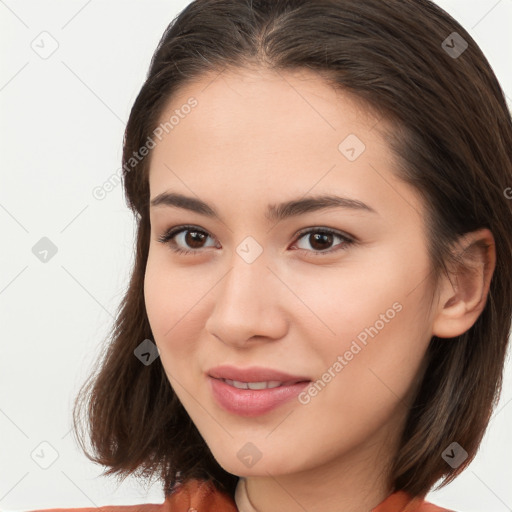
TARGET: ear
(462,298)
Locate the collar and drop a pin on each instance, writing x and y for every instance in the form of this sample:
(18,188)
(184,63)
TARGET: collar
(202,496)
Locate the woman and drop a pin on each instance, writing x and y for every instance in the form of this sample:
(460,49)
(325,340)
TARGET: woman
(320,304)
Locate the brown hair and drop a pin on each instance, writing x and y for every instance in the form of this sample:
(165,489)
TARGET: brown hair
(453,140)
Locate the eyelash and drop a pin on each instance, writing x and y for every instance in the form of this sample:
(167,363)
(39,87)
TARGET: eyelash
(168,236)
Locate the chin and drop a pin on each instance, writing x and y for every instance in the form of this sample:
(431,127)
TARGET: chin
(240,463)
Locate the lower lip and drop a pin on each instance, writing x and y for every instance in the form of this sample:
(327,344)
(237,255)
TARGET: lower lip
(252,402)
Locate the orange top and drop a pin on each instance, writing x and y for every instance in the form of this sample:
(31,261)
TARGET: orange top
(202,496)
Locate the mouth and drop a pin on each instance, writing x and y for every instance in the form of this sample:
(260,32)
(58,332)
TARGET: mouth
(271,384)
(253,391)
(254,375)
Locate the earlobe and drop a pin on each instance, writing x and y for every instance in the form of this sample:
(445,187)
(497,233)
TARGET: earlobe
(462,298)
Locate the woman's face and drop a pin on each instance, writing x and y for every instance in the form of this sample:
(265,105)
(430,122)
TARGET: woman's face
(330,291)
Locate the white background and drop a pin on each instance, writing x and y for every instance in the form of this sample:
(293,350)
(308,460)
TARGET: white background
(62,123)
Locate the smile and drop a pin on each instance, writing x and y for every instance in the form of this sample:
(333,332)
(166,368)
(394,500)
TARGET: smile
(251,399)
(253,385)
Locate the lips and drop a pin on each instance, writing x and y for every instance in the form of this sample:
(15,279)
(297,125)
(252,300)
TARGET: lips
(253,391)
(255,374)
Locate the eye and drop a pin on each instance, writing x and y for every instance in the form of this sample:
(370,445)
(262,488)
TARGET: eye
(190,239)
(320,239)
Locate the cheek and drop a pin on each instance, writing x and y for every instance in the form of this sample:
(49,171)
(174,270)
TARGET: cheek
(377,320)
(159,302)
(366,290)
(366,384)
(175,299)
(166,299)
(381,355)
(170,293)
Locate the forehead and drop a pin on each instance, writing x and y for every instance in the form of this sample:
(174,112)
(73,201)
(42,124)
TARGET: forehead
(253,97)
(259,117)
(273,134)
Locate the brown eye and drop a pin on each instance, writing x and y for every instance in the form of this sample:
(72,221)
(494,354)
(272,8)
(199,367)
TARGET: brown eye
(194,239)
(321,240)
(185,239)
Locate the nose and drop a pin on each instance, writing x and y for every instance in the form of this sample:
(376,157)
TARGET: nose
(249,305)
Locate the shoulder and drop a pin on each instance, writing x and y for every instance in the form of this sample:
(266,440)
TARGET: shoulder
(193,494)
(425,506)
(420,505)
(403,502)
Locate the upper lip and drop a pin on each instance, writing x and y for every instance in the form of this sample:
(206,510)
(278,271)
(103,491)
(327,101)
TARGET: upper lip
(253,374)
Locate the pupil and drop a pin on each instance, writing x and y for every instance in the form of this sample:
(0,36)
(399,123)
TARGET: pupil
(192,240)
(326,237)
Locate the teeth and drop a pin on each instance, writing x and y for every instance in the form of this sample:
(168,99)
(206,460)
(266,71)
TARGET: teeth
(253,385)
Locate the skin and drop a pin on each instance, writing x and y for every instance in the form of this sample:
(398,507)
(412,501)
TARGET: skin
(258,137)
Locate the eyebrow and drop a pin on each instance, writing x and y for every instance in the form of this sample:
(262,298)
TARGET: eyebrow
(274,213)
